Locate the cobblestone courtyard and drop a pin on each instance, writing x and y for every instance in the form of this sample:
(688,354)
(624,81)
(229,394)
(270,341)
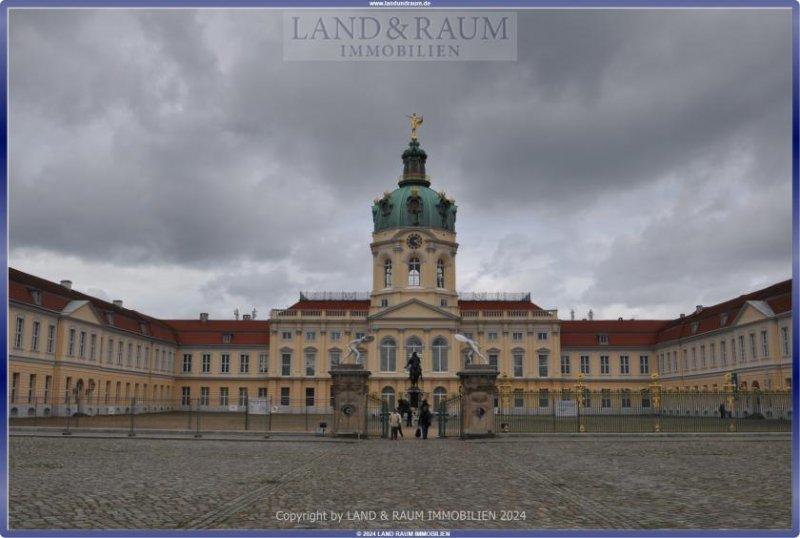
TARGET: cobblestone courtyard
(556,482)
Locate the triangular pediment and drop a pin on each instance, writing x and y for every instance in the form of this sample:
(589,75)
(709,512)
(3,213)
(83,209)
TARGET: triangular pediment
(83,311)
(753,311)
(414,309)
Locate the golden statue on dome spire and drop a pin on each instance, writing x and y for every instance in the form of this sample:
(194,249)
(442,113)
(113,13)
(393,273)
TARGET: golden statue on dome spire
(416,121)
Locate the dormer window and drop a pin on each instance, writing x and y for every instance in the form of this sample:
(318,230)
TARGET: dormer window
(110,318)
(694,327)
(36,295)
(143,327)
(723,319)
(226,338)
(602,339)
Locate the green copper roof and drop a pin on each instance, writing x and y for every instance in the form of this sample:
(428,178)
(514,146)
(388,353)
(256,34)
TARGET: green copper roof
(414,204)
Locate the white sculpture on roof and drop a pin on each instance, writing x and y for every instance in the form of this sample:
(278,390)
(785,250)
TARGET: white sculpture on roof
(353,345)
(474,349)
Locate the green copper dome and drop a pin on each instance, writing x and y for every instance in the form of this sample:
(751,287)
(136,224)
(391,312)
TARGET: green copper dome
(414,203)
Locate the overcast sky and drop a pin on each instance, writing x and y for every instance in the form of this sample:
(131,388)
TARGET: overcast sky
(635,162)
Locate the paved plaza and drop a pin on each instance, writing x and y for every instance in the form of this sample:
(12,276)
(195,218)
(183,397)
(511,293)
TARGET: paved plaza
(553,482)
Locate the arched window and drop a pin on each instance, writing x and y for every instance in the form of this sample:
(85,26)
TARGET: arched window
(439,396)
(387,274)
(439,360)
(388,355)
(440,274)
(413,344)
(413,272)
(387,395)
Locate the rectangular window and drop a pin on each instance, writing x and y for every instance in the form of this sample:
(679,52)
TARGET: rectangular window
(311,363)
(519,398)
(263,363)
(336,336)
(626,399)
(645,399)
(712,349)
(565,369)
(130,355)
(120,352)
(685,360)
(516,336)
(286,364)
(47,381)
(186,395)
(644,364)
(19,333)
(31,387)
(605,364)
(225,363)
(71,343)
(624,364)
(585,364)
(694,358)
(35,336)
(110,358)
(542,365)
(544,398)
(206,364)
(541,336)
(675,361)
(138,355)
(785,340)
(82,345)
(205,393)
(262,392)
(309,397)
(494,360)
(187,362)
(244,363)
(741,349)
(242,396)
(285,396)
(335,356)
(359,335)
(703,357)
(223,396)
(723,354)
(15,384)
(492,336)
(311,336)
(764,345)
(517,364)
(286,335)
(753,354)
(51,338)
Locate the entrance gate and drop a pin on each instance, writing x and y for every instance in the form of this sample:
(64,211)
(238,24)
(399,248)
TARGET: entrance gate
(449,417)
(377,417)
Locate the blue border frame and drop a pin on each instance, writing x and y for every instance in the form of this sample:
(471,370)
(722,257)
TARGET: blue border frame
(591,4)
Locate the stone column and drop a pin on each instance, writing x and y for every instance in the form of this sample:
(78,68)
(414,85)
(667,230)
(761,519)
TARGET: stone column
(350,400)
(478,389)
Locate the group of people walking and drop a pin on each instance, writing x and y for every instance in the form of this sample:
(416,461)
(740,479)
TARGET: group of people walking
(424,419)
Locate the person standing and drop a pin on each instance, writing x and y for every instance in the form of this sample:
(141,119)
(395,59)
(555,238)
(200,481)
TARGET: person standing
(425,418)
(394,423)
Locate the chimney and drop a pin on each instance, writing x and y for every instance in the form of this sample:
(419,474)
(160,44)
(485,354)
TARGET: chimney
(203,316)
(246,317)
(683,316)
(118,303)
(591,315)
(698,309)
(67,284)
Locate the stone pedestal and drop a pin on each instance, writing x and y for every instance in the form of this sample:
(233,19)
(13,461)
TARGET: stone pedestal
(350,400)
(414,396)
(478,386)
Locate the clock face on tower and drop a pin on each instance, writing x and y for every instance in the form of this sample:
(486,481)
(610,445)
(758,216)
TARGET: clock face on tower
(414,241)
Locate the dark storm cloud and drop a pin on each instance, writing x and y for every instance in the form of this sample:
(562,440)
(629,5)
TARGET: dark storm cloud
(181,137)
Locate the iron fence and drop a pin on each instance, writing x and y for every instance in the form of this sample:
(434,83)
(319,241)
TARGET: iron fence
(642,412)
(449,417)
(190,415)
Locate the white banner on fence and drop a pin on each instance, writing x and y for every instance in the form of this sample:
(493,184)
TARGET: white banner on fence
(566,408)
(257,406)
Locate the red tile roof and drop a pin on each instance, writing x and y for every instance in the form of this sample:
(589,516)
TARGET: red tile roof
(205,333)
(330,305)
(497,305)
(584,333)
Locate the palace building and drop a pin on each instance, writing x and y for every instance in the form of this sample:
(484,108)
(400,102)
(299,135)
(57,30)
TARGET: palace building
(71,351)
